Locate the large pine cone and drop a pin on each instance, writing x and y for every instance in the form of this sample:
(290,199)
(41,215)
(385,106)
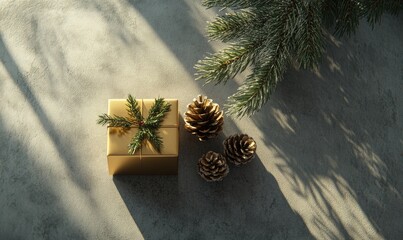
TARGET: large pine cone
(213,166)
(204,118)
(239,148)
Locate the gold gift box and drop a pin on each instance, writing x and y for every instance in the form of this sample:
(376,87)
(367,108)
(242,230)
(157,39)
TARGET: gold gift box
(146,160)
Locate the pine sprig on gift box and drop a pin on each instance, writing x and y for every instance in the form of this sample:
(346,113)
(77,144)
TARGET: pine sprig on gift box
(135,143)
(114,121)
(157,113)
(148,129)
(133,109)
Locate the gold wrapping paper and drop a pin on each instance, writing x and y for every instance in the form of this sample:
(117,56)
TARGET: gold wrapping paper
(147,160)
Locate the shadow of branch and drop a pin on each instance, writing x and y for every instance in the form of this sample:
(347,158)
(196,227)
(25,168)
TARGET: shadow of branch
(63,146)
(334,135)
(246,204)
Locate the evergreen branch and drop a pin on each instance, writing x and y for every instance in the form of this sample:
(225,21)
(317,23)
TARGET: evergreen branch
(226,64)
(149,129)
(374,9)
(259,85)
(155,140)
(256,90)
(329,12)
(231,26)
(282,31)
(394,6)
(133,109)
(265,34)
(136,141)
(283,25)
(235,4)
(309,36)
(157,113)
(114,121)
(348,17)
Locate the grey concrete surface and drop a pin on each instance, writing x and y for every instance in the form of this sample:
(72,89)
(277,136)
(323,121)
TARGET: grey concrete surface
(330,142)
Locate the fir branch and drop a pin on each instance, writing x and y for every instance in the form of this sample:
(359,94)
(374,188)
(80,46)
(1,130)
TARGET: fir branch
(393,6)
(265,34)
(157,113)
(374,9)
(259,85)
(148,130)
(235,4)
(284,22)
(231,26)
(152,124)
(309,36)
(226,64)
(329,12)
(348,17)
(256,90)
(114,121)
(155,140)
(133,109)
(136,141)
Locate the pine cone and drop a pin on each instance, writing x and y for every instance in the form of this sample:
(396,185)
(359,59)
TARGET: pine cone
(204,118)
(213,166)
(239,148)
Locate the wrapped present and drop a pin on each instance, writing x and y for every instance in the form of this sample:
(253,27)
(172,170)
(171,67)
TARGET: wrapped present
(147,159)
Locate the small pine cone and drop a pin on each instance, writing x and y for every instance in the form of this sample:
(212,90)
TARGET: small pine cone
(204,118)
(213,167)
(239,148)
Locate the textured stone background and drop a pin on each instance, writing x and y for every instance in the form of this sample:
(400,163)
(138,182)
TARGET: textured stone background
(330,143)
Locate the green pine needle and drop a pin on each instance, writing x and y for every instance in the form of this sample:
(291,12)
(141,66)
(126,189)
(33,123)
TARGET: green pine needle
(136,142)
(224,65)
(155,140)
(234,4)
(133,109)
(153,122)
(309,36)
(157,113)
(231,26)
(349,15)
(114,121)
(256,90)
